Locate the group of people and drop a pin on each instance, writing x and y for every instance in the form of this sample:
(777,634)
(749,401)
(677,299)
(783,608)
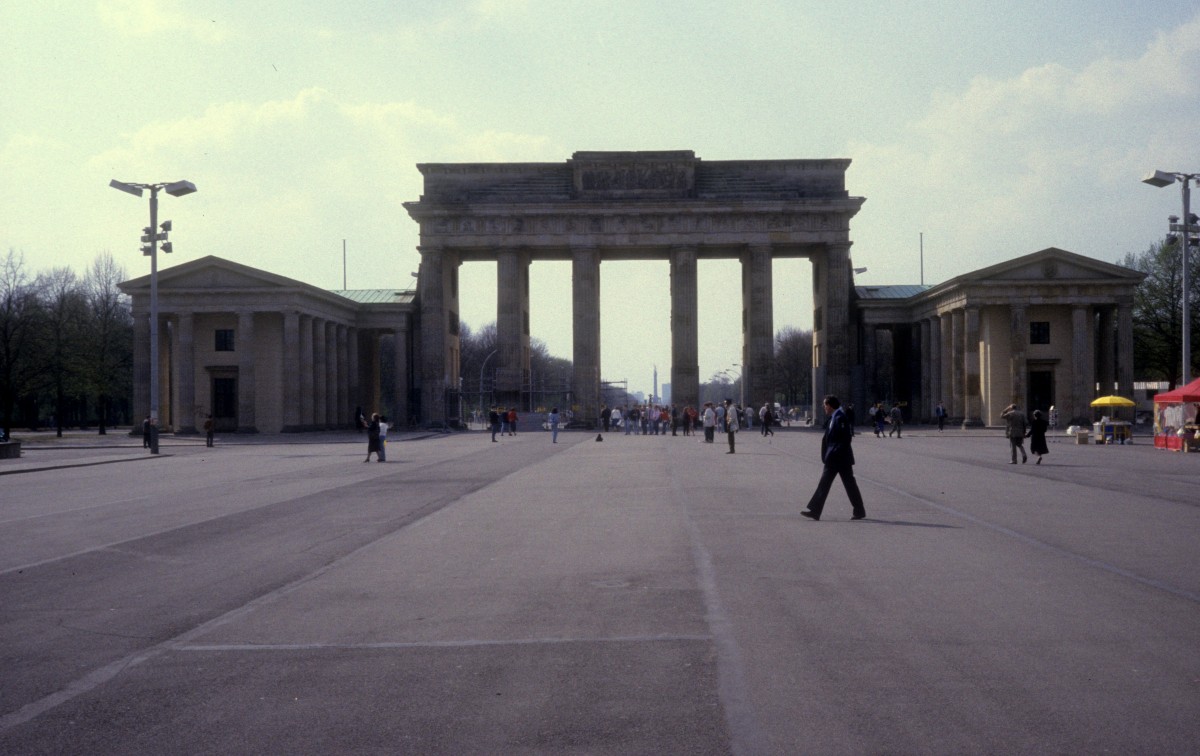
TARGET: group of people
(1017,429)
(503,421)
(881,419)
(656,419)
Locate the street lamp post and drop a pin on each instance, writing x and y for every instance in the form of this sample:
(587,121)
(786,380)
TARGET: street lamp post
(481,367)
(1166,178)
(152,236)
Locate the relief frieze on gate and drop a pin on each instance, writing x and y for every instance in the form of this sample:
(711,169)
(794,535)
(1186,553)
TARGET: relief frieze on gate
(657,223)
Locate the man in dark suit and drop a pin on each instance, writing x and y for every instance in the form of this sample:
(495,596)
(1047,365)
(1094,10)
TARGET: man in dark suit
(838,458)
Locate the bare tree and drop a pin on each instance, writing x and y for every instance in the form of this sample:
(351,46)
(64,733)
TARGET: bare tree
(65,305)
(793,365)
(109,343)
(20,316)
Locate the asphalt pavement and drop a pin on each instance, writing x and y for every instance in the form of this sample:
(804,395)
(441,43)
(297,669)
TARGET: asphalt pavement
(633,596)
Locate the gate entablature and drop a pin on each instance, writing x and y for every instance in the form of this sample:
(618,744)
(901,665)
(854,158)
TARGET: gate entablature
(599,206)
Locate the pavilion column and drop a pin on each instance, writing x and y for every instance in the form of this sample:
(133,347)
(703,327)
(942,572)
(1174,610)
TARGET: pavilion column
(305,371)
(400,407)
(331,375)
(512,325)
(870,358)
(186,368)
(926,361)
(292,373)
(353,373)
(247,385)
(320,373)
(1125,350)
(1083,377)
(585,289)
(434,290)
(958,361)
(758,336)
(1018,338)
(915,344)
(685,342)
(1106,343)
(972,390)
(141,371)
(935,363)
(342,416)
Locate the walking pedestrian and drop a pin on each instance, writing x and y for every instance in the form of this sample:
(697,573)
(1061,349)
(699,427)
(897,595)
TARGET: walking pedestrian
(552,419)
(897,418)
(710,422)
(383,429)
(1037,436)
(208,431)
(494,422)
(940,412)
(838,458)
(373,438)
(1015,427)
(732,414)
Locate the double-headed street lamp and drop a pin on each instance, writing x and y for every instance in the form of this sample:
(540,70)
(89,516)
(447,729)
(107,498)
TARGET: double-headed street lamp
(1185,229)
(151,237)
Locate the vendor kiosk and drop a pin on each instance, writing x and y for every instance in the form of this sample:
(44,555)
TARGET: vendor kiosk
(1177,418)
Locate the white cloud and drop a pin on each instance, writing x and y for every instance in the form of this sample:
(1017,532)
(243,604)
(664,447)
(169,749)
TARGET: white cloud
(1005,162)
(145,18)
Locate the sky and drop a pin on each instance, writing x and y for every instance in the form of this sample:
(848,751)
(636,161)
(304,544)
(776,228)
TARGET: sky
(978,132)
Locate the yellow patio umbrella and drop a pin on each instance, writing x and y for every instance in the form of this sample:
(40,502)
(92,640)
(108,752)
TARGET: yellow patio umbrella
(1113,401)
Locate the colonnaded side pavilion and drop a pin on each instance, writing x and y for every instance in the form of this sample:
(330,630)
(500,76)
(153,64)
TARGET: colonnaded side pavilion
(265,353)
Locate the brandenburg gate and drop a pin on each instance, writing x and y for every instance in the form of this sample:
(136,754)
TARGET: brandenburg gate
(601,206)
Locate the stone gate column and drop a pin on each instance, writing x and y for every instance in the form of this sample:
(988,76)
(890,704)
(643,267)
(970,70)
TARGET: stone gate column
(972,391)
(585,284)
(1125,350)
(305,371)
(758,337)
(833,282)
(685,342)
(400,406)
(187,374)
(247,386)
(512,325)
(1019,368)
(432,286)
(292,372)
(1083,376)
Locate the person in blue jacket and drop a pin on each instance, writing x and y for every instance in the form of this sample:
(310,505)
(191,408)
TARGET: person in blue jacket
(838,458)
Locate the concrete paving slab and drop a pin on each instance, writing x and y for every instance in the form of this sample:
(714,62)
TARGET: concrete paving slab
(640,595)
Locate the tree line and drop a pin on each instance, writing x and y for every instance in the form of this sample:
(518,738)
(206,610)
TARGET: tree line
(66,346)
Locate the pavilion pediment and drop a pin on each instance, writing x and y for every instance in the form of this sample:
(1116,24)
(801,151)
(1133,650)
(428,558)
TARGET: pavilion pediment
(1054,264)
(215,273)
